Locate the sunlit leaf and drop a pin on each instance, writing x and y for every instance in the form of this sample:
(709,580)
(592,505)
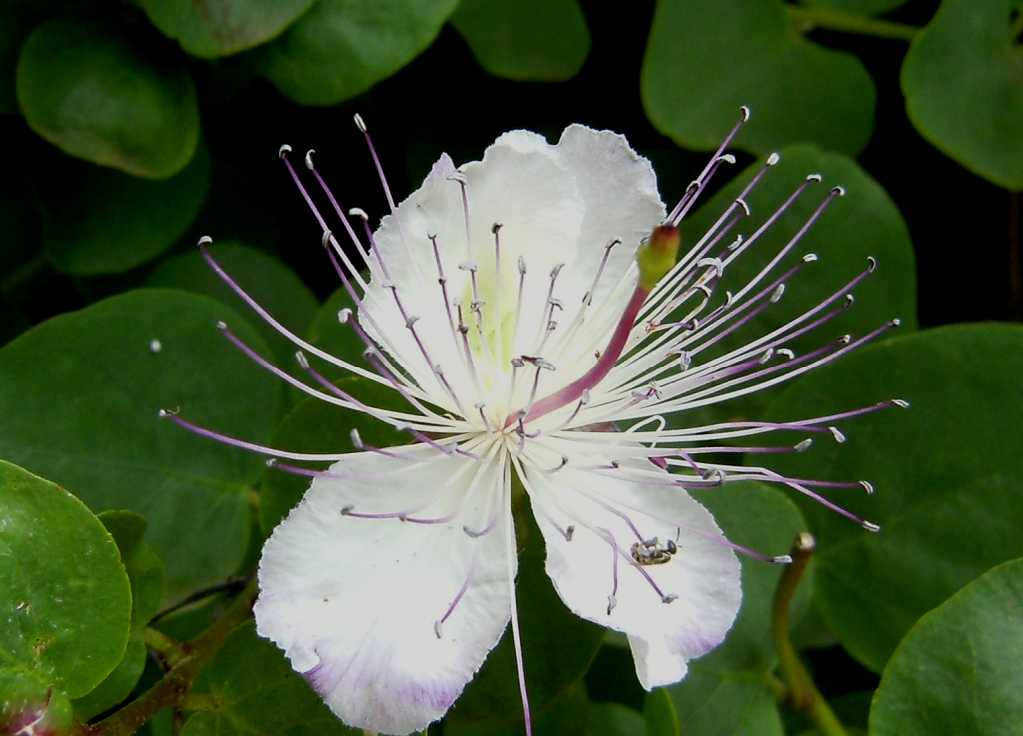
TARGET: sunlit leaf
(544,40)
(703,60)
(74,92)
(957,670)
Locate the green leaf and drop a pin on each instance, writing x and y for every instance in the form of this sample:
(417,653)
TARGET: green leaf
(96,220)
(18,22)
(96,95)
(327,333)
(865,222)
(703,60)
(269,281)
(547,627)
(726,692)
(857,7)
(958,670)
(255,692)
(80,393)
(542,40)
(117,686)
(213,28)
(316,426)
(943,470)
(568,713)
(613,719)
(659,716)
(145,569)
(343,47)
(963,81)
(57,562)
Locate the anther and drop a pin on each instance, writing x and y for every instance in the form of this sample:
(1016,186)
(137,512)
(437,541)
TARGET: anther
(685,360)
(302,361)
(169,412)
(356,439)
(359,122)
(496,227)
(358,212)
(343,315)
(468,266)
(813,177)
(556,270)
(901,403)
(871,526)
(411,321)
(768,354)
(155,346)
(715,263)
(522,266)
(871,264)
(458,176)
(221,324)
(786,353)
(773,159)
(895,322)
(345,510)
(803,445)
(744,111)
(849,299)
(840,191)
(837,434)
(781,560)
(569,532)
(204,241)
(810,258)
(670,598)
(436,628)
(283,151)
(745,207)
(611,603)
(270,462)
(776,295)
(868,487)
(309,159)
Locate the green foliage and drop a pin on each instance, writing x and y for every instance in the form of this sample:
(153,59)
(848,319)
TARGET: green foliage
(659,715)
(213,28)
(543,40)
(97,220)
(343,47)
(56,562)
(698,70)
(614,719)
(957,670)
(860,7)
(963,81)
(74,91)
(96,380)
(937,486)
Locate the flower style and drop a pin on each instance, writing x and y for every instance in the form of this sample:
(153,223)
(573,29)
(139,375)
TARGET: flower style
(533,314)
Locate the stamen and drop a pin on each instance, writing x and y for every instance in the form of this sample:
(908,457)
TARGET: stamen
(361,125)
(458,597)
(510,558)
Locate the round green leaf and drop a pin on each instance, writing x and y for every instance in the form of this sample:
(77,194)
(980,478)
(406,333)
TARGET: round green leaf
(958,670)
(723,703)
(568,713)
(863,223)
(857,7)
(95,95)
(543,40)
(96,220)
(118,684)
(945,472)
(659,716)
(963,81)
(256,693)
(343,47)
(145,569)
(80,393)
(703,60)
(614,719)
(64,595)
(270,282)
(214,28)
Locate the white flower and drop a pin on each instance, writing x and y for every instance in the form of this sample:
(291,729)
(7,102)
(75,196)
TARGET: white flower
(536,341)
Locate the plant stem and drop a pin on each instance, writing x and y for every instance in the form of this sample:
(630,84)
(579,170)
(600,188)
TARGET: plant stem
(802,693)
(806,19)
(173,689)
(229,585)
(169,651)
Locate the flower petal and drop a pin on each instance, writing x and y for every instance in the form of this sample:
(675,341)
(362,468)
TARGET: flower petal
(354,602)
(611,510)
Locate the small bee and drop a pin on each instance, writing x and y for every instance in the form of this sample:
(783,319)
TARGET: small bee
(652,552)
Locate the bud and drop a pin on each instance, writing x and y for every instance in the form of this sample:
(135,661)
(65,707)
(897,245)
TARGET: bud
(658,255)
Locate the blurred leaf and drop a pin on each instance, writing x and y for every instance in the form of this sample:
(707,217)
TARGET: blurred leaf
(958,670)
(56,563)
(257,693)
(95,95)
(79,395)
(343,47)
(96,220)
(145,569)
(211,28)
(316,426)
(544,40)
(547,627)
(943,470)
(118,684)
(857,7)
(963,81)
(613,719)
(569,713)
(865,222)
(18,22)
(703,60)
(327,333)
(269,281)
(726,692)
(659,716)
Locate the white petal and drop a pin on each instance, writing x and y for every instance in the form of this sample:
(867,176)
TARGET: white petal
(704,574)
(354,601)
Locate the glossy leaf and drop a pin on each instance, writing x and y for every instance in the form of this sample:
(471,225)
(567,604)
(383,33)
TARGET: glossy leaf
(541,40)
(699,69)
(613,719)
(863,223)
(145,569)
(724,703)
(56,562)
(341,48)
(327,332)
(268,280)
(257,693)
(570,712)
(945,473)
(659,715)
(73,91)
(963,81)
(957,670)
(96,220)
(212,28)
(80,393)
(118,684)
